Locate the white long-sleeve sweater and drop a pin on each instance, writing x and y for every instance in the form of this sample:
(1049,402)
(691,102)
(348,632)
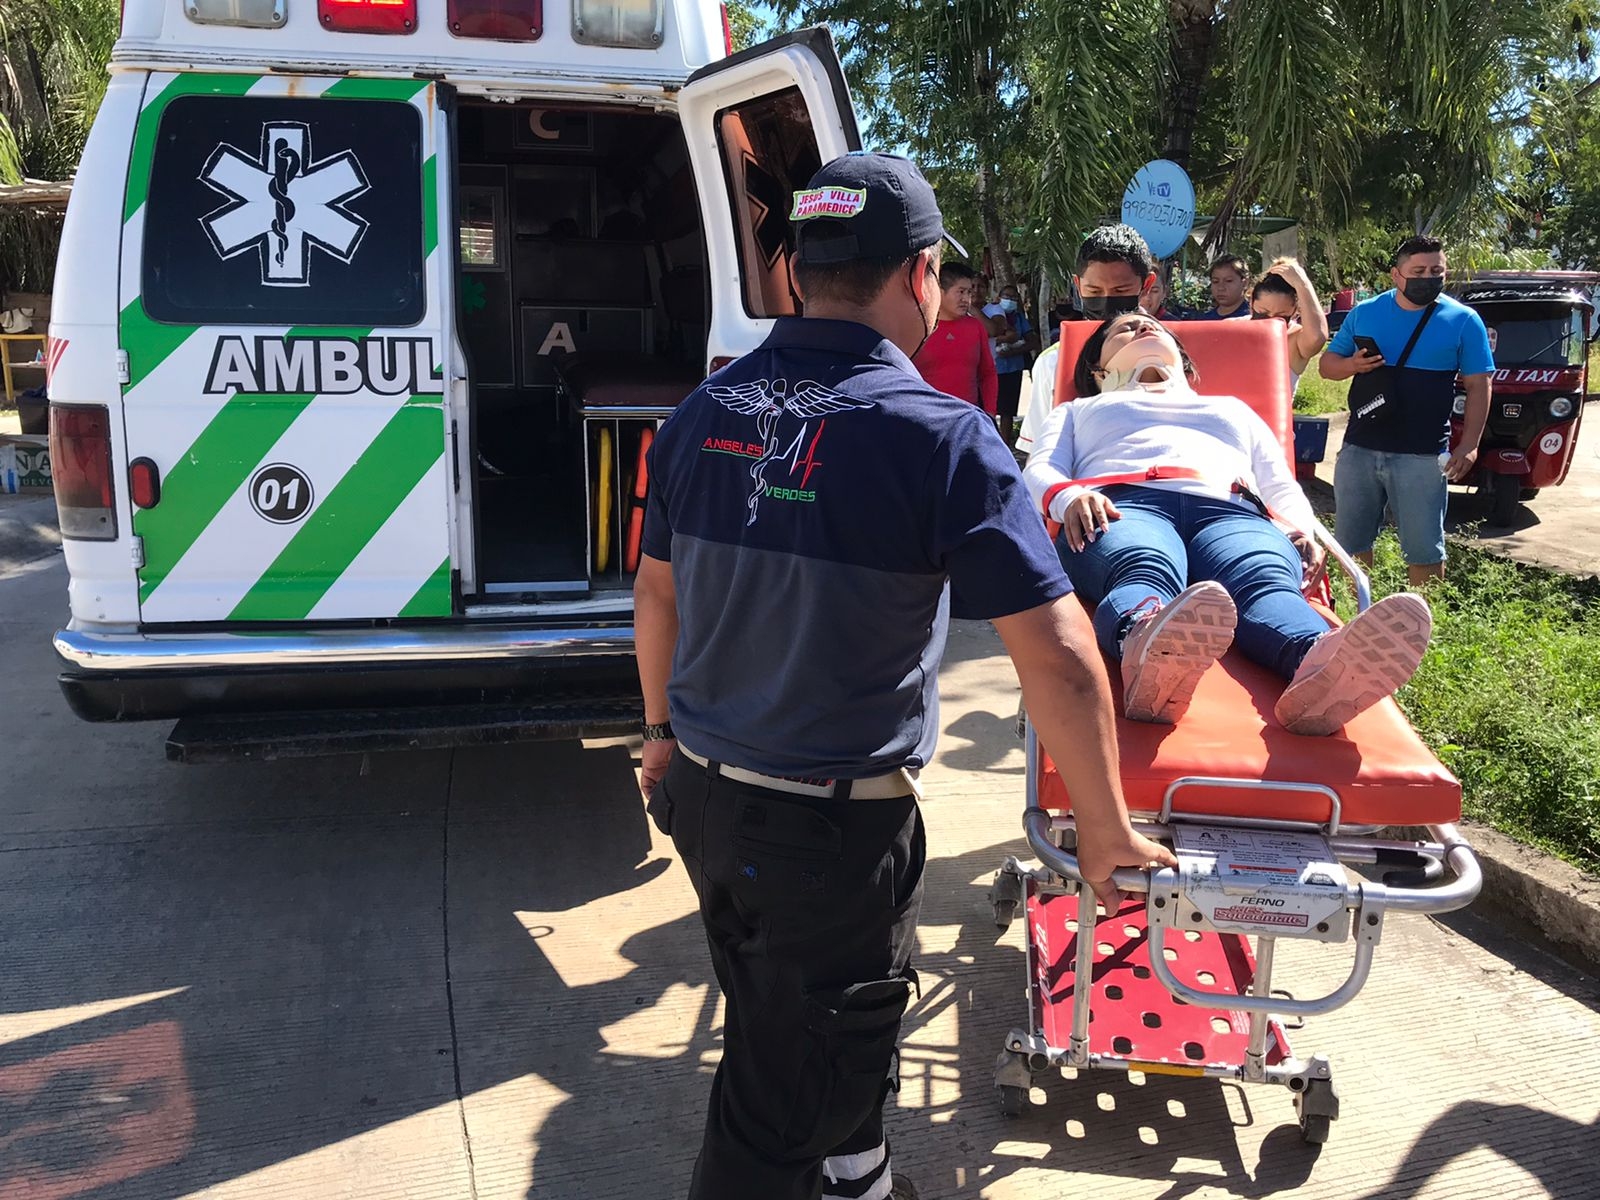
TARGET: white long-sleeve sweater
(1116,433)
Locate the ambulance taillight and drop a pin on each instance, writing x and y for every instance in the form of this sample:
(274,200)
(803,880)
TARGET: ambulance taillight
(144,483)
(80,465)
(368,16)
(499,20)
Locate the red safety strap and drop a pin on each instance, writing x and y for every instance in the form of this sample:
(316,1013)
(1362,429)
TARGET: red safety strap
(1144,476)
(1237,488)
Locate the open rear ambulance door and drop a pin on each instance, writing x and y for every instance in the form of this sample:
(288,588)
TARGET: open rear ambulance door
(758,125)
(283,338)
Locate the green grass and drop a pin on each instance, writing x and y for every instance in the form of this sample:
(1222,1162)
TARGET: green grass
(1316,397)
(1508,696)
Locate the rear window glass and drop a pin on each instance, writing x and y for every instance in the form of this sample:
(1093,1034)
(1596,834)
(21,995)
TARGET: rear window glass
(769,151)
(274,211)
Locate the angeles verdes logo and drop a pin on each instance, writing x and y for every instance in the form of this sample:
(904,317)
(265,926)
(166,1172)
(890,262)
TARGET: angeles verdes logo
(282,203)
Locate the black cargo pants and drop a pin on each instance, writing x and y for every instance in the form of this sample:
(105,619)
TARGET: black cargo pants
(810,908)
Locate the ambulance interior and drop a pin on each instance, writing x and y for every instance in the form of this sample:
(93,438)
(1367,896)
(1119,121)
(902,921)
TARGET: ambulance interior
(582,287)
(583,307)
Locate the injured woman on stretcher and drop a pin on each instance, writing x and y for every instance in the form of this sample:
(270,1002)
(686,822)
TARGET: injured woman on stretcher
(1211,546)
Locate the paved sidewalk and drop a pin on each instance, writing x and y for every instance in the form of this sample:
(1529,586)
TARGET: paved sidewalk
(479,975)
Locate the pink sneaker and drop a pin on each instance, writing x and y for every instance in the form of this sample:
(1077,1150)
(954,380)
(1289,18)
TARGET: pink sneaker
(1166,651)
(1350,669)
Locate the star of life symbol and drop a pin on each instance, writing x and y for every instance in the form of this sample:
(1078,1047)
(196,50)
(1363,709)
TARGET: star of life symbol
(281,203)
(769,400)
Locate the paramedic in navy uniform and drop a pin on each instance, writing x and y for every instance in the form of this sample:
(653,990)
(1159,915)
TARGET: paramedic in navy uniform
(817,514)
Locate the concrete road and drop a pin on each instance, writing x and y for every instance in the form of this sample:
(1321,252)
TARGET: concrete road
(479,975)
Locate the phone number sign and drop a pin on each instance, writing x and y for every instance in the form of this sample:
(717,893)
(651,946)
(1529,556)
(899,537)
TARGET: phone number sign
(1159,203)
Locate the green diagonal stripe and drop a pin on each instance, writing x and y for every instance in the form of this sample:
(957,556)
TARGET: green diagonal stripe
(376,89)
(148,343)
(430,206)
(144,137)
(433,597)
(199,484)
(344,522)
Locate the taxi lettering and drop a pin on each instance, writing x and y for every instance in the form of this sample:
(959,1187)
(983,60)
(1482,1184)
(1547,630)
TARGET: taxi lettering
(1529,375)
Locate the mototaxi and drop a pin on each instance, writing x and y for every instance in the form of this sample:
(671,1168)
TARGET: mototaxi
(1540,324)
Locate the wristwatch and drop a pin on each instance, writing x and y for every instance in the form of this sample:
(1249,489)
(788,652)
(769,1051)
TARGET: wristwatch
(658,733)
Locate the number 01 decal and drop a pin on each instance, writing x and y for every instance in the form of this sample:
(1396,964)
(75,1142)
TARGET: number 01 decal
(280,493)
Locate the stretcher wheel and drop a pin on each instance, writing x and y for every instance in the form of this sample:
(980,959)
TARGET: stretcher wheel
(1314,1129)
(1317,1107)
(1013,1100)
(1004,896)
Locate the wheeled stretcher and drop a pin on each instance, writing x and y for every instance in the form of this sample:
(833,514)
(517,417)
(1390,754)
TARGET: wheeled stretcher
(1277,836)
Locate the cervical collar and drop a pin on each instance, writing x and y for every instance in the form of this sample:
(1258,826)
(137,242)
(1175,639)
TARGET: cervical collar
(1121,379)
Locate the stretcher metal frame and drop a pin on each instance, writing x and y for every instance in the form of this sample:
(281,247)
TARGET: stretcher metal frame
(1437,875)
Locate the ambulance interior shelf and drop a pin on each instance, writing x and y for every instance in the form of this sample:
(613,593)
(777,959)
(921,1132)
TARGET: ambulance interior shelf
(595,385)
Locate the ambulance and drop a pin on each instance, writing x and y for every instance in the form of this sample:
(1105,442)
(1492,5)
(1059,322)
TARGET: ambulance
(365,313)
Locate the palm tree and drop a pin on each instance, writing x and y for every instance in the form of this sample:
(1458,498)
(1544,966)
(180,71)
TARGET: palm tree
(53,56)
(942,81)
(1316,93)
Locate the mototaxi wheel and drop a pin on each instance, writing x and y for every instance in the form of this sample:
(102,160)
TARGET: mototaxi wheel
(1505,493)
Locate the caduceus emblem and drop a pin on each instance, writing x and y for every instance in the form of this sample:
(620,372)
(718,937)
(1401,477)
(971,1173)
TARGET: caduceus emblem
(768,400)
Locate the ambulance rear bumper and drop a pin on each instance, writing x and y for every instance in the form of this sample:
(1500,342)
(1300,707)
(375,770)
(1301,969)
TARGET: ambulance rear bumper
(147,676)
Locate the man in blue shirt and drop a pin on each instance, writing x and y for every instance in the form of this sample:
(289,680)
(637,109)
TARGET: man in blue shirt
(817,514)
(1399,431)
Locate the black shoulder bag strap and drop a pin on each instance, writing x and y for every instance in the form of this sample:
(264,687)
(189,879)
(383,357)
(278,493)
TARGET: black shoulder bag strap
(1415,334)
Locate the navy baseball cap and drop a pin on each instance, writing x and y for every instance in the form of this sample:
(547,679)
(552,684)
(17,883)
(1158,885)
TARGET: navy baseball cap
(867,205)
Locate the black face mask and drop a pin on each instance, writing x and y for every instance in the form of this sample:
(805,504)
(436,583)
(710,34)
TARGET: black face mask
(1102,308)
(1423,289)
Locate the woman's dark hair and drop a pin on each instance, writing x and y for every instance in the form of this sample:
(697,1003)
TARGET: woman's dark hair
(1083,379)
(1275,285)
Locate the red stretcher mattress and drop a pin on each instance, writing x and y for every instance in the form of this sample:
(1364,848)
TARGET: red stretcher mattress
(1380,768)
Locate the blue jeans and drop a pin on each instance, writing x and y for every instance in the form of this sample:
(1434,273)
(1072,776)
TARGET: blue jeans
(1168,540)
(1412,485)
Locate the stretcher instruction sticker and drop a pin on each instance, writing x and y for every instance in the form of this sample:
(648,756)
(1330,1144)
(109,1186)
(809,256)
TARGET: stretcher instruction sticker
(1262,881)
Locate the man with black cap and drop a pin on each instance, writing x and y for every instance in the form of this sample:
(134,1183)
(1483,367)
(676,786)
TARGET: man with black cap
(817,514)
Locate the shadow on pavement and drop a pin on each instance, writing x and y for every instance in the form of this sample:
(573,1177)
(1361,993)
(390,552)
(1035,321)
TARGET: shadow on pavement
(1099,1122)
(208,971)
(1555,1150)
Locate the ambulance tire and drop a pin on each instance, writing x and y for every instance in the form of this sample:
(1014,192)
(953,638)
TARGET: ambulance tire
(602,507)
(641,489)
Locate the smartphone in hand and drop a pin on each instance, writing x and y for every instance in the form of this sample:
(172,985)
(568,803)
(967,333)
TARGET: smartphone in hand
(1367,345)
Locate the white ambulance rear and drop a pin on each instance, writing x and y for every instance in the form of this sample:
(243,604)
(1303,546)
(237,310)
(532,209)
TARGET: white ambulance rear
(364,314)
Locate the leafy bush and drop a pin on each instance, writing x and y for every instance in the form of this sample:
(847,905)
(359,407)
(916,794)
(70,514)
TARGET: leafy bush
(1509,694)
